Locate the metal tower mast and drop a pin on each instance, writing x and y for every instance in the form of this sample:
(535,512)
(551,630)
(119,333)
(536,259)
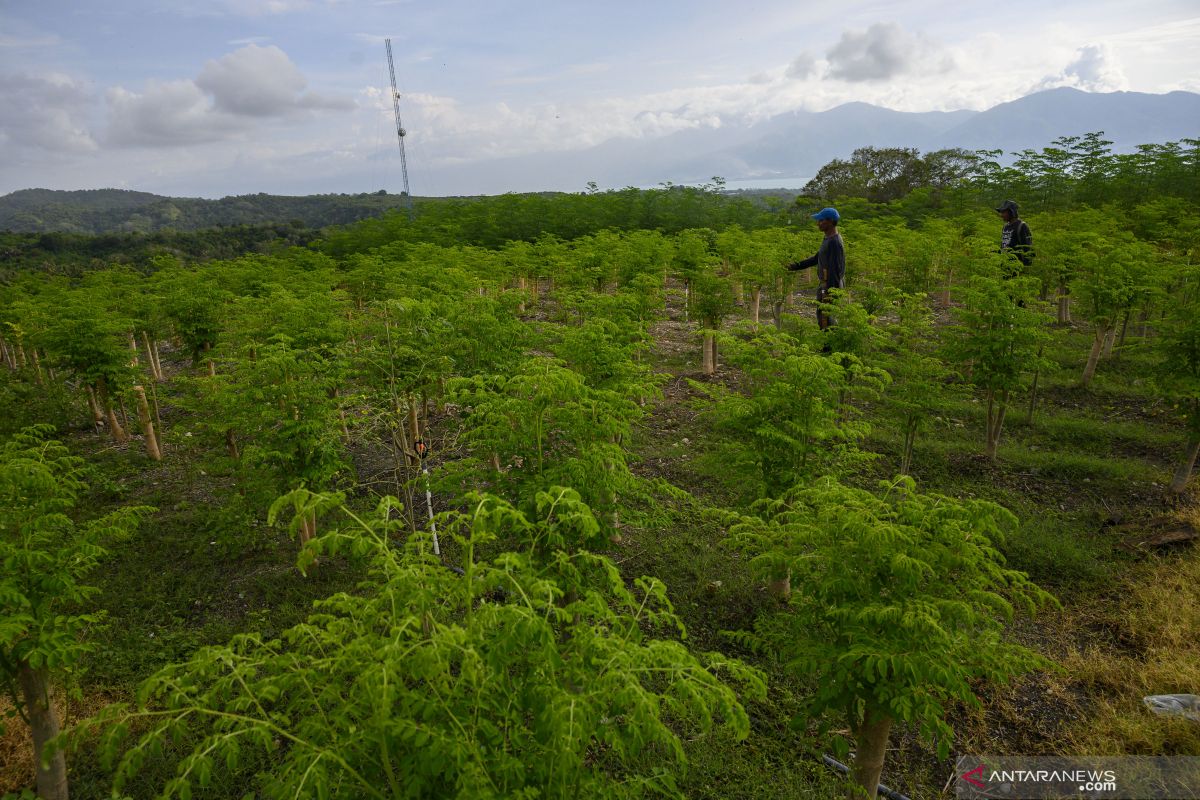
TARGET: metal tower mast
(400,132)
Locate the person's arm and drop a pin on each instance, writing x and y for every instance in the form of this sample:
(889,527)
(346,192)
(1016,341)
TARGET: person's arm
(806,263)
(835,264)
(1023,243)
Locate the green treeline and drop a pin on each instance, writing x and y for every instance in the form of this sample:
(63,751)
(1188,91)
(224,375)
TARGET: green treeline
(1073,170)
(118,211)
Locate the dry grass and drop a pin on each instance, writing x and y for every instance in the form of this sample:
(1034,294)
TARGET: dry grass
(1152,632)
(16,745)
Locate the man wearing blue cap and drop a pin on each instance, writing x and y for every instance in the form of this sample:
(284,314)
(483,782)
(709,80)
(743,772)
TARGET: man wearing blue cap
(830,261)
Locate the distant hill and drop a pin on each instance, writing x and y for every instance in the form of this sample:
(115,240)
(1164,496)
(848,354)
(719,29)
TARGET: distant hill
(1127,119)
(785,151)
(791,147)
(121,211)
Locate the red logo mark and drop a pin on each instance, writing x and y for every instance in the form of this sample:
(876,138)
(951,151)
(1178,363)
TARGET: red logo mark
(966,776)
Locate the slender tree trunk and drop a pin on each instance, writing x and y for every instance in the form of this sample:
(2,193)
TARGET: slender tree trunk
(37,368)
(155,369)
(781,587)
(43,724)
(414,424)
(783,287)
(687,299)
(1124,329)
(114,425)
(1184,471)
(158,426)
(707,365)
(308,529)
(871,738)
(993,431)
(6,354)
(124,413)
(143,409)
(945,299)
(158,361)
(133,351)
(496,462)
(521,289)
(399,430)
(97,415)
(1089,371)
(1064,305)
(21,353)
(1033,389)
(231,445)
(1109,339)
(755,303)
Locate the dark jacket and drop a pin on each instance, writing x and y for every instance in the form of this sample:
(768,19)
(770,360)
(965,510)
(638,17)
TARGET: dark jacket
(830,262)
(1017,239)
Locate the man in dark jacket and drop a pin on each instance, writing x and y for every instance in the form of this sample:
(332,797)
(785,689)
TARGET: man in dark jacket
(1015,238)
(830,261)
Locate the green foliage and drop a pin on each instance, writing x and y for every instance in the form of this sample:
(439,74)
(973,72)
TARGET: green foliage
(192,302)
(998,338)
(889,173)
(603,351)
(47,556)
(425,683)
(89,343)
(277,402)
(900,599)
(1179,364)
(921,382)
(712,298)
(544,425)
(788,423)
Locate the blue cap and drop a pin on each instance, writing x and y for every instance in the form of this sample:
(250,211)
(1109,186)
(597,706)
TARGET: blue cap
(827,213)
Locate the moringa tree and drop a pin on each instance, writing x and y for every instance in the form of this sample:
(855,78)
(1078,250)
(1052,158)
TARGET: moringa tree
(47,557)
(499,682)
(900,606)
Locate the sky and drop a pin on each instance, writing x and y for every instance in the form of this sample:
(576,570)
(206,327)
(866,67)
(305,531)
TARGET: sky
(232,97)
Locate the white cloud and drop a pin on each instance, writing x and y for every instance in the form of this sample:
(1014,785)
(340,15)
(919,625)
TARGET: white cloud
(45,112)
(260,82)
(1095,68)
(802,66)
(251,83)
(881,52)
(165,114)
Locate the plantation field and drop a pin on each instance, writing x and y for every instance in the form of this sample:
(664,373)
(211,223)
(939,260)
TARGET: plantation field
(684,542)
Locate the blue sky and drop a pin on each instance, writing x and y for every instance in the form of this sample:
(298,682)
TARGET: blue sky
(291,96)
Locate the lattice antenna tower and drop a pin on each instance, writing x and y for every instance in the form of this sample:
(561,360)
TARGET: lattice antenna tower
(400,132)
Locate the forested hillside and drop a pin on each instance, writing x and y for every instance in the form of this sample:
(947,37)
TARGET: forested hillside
(568,495)
(118,211)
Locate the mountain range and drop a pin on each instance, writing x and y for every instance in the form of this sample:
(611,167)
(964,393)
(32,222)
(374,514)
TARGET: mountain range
(783,151)
(788,149)
(791,148)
